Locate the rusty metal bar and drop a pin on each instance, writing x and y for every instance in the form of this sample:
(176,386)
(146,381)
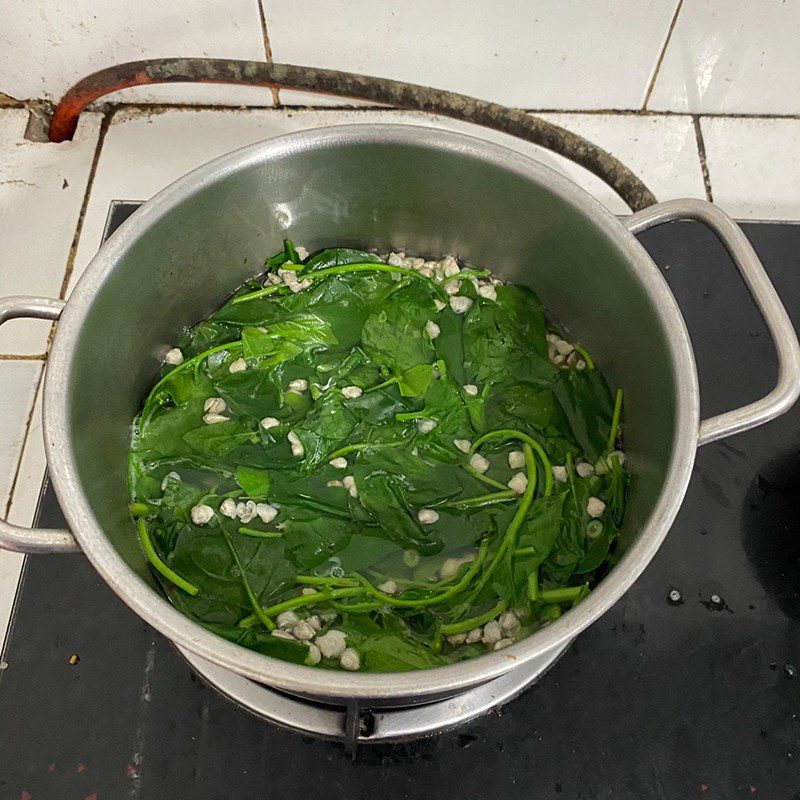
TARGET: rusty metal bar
(348,84)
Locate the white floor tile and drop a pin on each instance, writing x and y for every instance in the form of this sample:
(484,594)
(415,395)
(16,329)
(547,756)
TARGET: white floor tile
(10,571)
(42,187)
(732,57)
(546,54)
(23,510)
(32,466)
(753,165)
(18,382)
(142,154)
(45,48)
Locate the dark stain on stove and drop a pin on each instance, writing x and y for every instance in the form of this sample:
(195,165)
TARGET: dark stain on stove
(639,635)
(725,443)
(65,184)
(466,739)
(714,489)
(770,531)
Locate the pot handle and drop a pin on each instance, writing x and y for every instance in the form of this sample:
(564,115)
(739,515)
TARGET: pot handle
(783,396)
(15,537)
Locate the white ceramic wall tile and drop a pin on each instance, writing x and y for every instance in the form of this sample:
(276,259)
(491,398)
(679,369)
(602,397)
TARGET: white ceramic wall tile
(42,187)
(732,56)
(23,509)
(661,150)
(143,153)
(18,382)
(545,54)
(46,47)
(753,166)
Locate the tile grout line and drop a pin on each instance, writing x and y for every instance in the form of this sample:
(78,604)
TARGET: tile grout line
(13,357)
(104,126)
(275,90)
(701,153)
(652,82)
(611,112)
(25,443)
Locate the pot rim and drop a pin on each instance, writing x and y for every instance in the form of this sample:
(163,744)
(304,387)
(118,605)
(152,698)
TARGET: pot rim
(154,608)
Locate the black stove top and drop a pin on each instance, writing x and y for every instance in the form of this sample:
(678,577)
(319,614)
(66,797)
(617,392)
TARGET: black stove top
(687,689)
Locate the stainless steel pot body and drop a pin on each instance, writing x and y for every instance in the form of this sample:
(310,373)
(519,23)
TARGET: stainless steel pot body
(391,187)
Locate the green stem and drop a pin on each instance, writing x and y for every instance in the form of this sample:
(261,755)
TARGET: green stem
(407,416)
(353,448)
(356,608)
(260,534)
(141,509)
(482,500)
(506,434)
(288,248)
(389,382)
(533,583)
(510,536)
(584,355)
(326,580)
(316,505)
(260,616)
(474,622)
(342,269)
(571,478)
(465,273)
(391,600)
(485,478)
(155,560)
(411,582)
(297,602)
(310,599)
(563,594)
(612,436)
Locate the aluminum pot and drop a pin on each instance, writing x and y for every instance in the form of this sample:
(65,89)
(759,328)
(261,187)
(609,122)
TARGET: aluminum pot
(391,187)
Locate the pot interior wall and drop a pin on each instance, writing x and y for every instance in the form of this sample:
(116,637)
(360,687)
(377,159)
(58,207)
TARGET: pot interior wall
(427,199)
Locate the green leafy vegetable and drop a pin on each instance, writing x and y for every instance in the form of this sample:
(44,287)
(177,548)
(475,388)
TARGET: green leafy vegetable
(254,482)
(411,475)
